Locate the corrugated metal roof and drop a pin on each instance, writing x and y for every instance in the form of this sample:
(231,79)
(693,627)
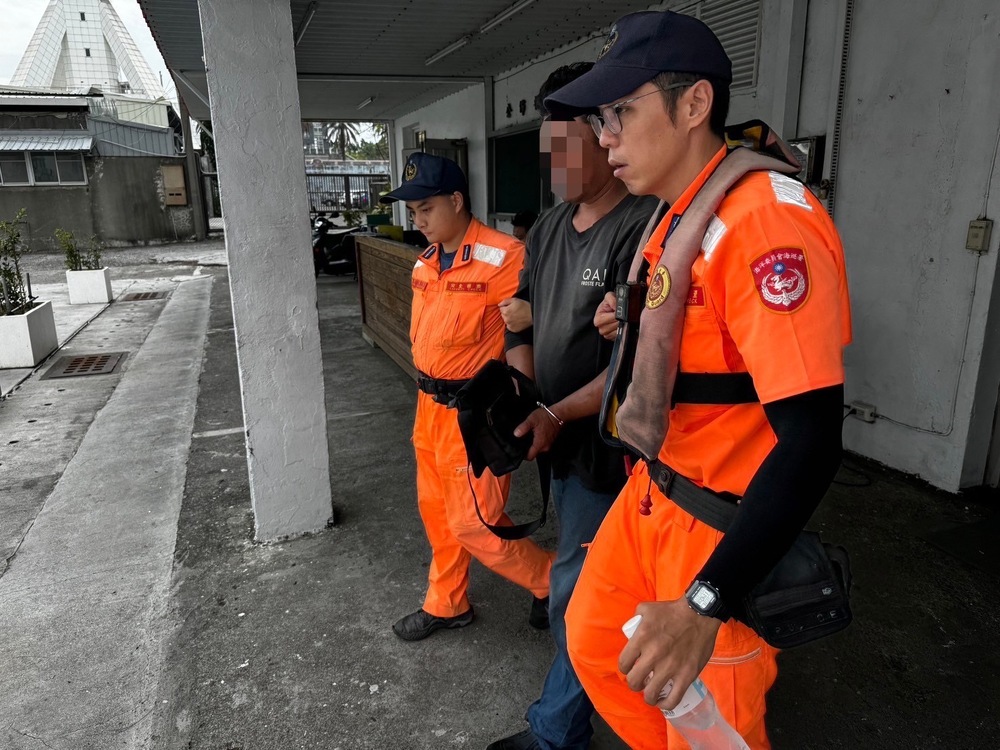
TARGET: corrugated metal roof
(14,141)
(355,50)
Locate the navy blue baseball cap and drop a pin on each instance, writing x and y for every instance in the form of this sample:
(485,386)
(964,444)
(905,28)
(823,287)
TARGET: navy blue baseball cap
(639,47)
(425,175)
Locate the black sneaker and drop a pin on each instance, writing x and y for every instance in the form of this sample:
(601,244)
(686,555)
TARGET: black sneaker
(525,740)
(420,624)
(538,617)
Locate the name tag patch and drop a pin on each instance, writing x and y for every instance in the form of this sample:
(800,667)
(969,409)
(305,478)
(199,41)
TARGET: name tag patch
(419,284)
(696,297)
(477,287)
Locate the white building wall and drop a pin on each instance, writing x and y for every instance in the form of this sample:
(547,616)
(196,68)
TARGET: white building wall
(461,115)
(922,110)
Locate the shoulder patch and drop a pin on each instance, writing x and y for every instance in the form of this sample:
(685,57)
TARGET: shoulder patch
(715,232)
(419,263)
(787,190)
(489,254)
(781,276)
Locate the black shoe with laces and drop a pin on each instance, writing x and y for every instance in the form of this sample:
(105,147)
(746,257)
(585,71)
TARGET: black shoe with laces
(538,617)
(524,740)
(420,624)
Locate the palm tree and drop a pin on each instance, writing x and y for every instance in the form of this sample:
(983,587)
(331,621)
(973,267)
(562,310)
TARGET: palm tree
(343,135)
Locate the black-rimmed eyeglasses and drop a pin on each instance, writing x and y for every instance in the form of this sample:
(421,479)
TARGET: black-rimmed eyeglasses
(610,116)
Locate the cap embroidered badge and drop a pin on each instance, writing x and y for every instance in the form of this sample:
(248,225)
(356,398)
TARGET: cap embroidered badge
(612,38)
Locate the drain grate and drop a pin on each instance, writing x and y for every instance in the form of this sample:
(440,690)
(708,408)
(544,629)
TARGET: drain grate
(143,296)
(104,363)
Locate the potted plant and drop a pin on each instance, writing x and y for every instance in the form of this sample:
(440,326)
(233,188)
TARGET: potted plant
(88,282)
(27,327)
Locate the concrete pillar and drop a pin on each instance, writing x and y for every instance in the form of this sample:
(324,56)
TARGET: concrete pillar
(253,90)
(196,196)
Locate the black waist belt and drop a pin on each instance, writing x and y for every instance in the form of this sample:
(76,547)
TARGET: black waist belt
(442,391)
(717,509)
(714,388)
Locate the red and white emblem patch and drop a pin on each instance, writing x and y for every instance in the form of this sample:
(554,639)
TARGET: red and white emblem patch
(782,278)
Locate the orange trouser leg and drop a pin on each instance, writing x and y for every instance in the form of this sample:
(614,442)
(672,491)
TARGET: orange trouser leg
(637,558)
(453,529)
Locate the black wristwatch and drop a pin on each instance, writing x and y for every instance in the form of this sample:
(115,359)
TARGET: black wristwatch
(704,599)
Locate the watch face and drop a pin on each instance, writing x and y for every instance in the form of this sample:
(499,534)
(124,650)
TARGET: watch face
(703,598)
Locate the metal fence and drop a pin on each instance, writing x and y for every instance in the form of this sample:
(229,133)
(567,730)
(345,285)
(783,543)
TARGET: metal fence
(336,192)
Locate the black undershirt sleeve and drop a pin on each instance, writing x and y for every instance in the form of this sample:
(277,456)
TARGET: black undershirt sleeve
(783,493)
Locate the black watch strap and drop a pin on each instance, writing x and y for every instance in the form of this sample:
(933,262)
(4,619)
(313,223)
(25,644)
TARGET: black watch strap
(705,599)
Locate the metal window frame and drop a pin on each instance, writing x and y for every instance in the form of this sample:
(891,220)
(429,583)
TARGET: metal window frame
(31,167)
(4,183)
(32,182)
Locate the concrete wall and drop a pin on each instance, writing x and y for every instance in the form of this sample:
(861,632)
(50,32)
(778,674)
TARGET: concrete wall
(920,126)
(129,202)
(122,203)
(49,208)
(461,115)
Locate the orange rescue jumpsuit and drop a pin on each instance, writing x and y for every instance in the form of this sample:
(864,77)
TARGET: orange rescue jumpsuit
(455,328)
(768,297)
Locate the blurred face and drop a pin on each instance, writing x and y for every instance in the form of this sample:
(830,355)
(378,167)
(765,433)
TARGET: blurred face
(439,217)
(577,163)
(649,147)
(520,233)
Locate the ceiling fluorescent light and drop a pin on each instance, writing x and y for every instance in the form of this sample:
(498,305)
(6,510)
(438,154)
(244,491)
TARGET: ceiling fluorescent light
(504,15)
(453,47)
(366,102)
(306,20)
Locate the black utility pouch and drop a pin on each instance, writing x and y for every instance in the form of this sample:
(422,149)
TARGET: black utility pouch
(805,597)
(495,401)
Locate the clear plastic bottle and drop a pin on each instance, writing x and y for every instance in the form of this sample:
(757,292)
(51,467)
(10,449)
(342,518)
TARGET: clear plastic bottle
(696,717)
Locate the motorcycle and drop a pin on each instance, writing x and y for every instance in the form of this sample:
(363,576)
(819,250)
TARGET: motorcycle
(333,250)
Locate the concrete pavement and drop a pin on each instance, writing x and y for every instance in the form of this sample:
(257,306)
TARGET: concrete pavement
(137,612)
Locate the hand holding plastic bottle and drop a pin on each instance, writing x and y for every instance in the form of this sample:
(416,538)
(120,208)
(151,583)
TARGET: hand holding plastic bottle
(696,716)
(674,643)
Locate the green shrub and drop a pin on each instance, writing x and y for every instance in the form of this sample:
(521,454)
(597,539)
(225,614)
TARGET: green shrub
(87,260)
(352,217)
(13,292)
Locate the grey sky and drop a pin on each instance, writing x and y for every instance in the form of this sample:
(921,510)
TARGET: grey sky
(21,17)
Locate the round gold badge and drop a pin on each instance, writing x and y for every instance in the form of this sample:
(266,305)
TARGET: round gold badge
(410,172)
(659,288)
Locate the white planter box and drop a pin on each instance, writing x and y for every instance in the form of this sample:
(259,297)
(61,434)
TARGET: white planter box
(25,340)
(89,287)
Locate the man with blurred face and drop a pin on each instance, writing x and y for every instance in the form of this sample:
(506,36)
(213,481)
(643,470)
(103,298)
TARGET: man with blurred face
(574,254)
(455,328)
(763,302)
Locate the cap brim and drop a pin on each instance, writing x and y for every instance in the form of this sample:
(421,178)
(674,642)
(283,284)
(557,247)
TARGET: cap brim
(409,192)
(600,85)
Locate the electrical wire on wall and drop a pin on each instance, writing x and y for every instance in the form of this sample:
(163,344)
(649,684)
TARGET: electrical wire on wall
(989,180)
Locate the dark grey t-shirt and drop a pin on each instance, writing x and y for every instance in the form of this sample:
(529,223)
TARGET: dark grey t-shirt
(566,275)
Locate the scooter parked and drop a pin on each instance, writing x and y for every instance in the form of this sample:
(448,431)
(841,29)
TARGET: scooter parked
(333,253)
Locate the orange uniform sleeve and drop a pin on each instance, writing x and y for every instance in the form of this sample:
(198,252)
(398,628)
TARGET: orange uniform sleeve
(777,278)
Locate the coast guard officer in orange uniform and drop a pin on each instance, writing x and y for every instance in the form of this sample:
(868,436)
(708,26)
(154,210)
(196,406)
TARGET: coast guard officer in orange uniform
(455,328)
(767,298)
